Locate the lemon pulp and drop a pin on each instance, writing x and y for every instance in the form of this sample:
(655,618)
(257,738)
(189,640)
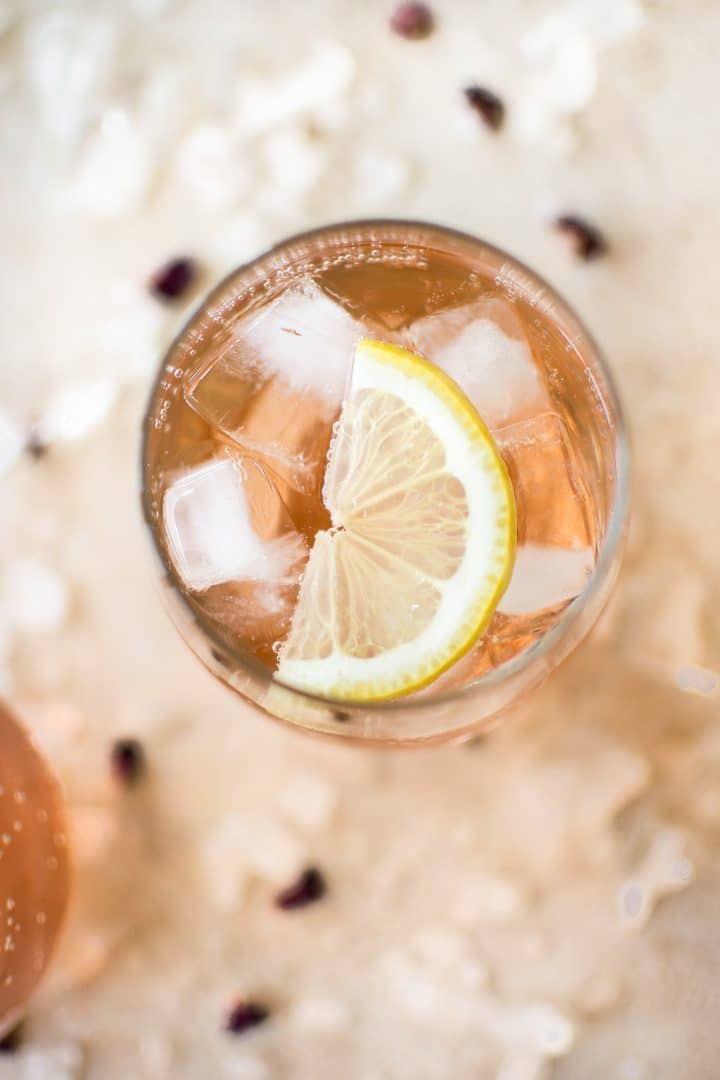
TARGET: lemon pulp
(423,539)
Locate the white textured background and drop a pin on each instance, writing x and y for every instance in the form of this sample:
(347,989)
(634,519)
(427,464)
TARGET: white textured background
(539,904)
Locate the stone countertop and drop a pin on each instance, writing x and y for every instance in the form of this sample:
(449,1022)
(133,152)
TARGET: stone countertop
(542,903)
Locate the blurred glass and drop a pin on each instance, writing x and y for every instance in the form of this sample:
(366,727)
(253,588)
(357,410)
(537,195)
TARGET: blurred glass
(34,867)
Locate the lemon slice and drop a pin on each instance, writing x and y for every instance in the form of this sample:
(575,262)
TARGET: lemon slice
(423,539)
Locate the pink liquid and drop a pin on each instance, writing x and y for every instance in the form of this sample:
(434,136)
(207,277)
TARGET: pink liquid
(222,400)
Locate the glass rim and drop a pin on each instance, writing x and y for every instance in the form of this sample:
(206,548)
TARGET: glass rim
(613,537)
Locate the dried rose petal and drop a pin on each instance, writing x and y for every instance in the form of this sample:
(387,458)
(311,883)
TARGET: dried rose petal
(36,445)
(308,888)
(11,1042)
(585,240)
(174,278)
(487,105)
(245,1015)
(127,760)
(412,21)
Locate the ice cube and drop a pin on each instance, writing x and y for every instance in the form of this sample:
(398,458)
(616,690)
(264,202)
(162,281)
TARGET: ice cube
(554,558)
(256,614)
(552,505)
(276,382)
(505,638)
(11,442)
(544,577)
(225,521)
(483,347)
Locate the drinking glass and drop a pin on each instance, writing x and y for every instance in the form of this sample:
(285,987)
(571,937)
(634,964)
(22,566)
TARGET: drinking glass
(34,867)
(425,259)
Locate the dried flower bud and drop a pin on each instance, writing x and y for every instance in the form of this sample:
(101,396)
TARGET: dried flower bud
(586,241)
(308,888)
(174,278)
(413,21)
(127,760)
(245,1015)
(487,105)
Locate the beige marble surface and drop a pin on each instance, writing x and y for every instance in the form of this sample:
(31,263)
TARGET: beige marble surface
(539,904)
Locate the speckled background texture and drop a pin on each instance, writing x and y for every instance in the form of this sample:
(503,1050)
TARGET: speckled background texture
(542,903)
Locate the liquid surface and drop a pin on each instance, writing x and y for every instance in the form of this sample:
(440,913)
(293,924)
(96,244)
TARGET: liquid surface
(243,416)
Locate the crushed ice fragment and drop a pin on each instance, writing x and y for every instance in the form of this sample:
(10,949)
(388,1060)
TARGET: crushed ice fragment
(487,898)
(35,599)
(697,680)
(546,576)
(129,335)
(632,1068)
(560,74)
(309,802)
(114,170)
(61,1061)
(549,1030)
(11,442)
(211,167)
(319,1015)
(84,955)
(77,410)
(94,829)
(243,848)
(294,160)
(239,238)
(483,347)
(319,81)
(600,993)
(213,531)
(522,1064)
(270,849)
(563,62)
(633,902)
(379,176)
(664,869)
(69,56)
(608,23)
(156,1055)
